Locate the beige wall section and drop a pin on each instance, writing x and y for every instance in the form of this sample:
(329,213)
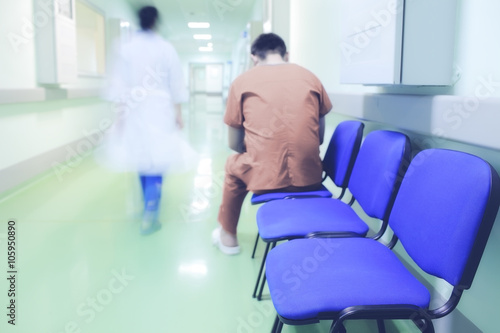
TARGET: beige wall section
(91,41)
(463,117)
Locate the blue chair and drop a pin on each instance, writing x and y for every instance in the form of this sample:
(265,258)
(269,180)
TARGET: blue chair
(374,182)
(337,165)
(442,215)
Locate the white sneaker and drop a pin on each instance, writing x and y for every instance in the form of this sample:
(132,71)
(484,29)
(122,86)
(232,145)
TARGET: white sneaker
(216,240)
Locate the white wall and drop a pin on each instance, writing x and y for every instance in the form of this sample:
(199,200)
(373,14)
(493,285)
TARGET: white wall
(315,43)
(18,18)
(315,39)
(17,63)
(29,132)
(472,101)
(280,19)
(477,51)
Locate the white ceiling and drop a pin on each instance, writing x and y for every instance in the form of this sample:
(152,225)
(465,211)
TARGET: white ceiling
(228,19)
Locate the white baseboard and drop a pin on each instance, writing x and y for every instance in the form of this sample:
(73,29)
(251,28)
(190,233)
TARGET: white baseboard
(8,96)
(59,160)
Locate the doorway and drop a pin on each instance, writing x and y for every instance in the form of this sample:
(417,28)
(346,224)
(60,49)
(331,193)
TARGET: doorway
(206,84)
(206,78)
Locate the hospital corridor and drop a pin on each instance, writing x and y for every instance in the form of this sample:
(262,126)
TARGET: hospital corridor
(83,266)
(365,133)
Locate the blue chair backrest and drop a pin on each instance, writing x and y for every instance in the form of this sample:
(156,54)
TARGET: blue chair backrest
(342,151)
(378,171)
(444,212)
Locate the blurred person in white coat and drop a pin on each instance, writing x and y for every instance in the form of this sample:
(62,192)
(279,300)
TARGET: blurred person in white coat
(147,88)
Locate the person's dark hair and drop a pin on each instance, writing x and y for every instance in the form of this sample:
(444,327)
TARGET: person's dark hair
(148,16)
(266,44)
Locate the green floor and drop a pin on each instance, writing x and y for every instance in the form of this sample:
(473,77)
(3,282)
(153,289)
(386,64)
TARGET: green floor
(84,267)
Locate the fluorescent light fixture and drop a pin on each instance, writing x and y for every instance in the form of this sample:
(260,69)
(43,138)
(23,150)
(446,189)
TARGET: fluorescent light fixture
(124,24)
(205,49)
(195,25)
(202,36)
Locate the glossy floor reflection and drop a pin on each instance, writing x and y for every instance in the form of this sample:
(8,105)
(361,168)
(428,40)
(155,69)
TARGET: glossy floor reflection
(84,267)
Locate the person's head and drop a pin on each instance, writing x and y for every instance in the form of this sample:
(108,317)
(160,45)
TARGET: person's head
(266,44)
(148,17)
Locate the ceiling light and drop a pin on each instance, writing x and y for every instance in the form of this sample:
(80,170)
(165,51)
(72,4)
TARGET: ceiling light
(202,36)
(194,25)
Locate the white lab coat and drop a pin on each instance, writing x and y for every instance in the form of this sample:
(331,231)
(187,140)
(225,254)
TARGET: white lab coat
(145,82)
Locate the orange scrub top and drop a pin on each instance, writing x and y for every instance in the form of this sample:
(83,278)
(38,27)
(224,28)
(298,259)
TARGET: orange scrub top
(279,107)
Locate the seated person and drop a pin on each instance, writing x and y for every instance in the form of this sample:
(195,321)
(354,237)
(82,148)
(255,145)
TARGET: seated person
(275,116)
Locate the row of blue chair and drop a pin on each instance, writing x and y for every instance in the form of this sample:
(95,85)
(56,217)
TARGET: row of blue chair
(441,210)
(338,163)
(372,176)
(337,166)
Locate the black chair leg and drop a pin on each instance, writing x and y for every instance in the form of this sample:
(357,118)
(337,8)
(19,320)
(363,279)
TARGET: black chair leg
(277,321)
(337,327)
(261,270)
(259,296)
(280,327)
(429,328)
(277,326)
(381,326)
(255,245)
(263,283)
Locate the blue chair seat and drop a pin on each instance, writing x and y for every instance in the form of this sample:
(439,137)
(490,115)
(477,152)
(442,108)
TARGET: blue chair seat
(338,273)
(265,197)
(286,217)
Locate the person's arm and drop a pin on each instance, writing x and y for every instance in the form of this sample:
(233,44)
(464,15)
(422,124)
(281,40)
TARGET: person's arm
(236,138)
(321,129)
